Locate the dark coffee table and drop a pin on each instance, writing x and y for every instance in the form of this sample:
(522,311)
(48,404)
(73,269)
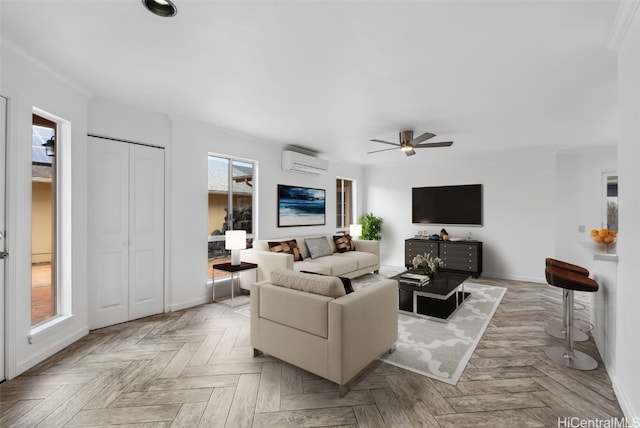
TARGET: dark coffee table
(438,299)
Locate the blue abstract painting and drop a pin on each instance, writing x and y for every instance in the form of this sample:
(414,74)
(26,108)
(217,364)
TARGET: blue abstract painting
(300,206)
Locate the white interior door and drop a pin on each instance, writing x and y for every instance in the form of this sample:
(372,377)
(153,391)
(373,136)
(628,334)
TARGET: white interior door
(3,145)
(126,232)
(108,233)
(146,231)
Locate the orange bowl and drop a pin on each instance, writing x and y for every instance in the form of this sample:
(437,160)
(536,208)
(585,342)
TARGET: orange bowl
(603,236)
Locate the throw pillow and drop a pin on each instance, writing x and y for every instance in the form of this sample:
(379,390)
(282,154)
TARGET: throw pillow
(318,247)
(344,243)
(346,282)
(288,247)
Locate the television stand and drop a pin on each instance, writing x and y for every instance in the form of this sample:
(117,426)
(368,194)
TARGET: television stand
(456,256)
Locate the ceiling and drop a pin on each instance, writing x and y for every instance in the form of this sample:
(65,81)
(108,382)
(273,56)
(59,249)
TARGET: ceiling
(331,75)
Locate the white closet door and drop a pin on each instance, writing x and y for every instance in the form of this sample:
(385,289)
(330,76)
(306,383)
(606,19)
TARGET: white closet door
(146,231)
(108,233)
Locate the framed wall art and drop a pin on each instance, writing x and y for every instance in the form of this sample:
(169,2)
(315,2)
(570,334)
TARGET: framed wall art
(301,206)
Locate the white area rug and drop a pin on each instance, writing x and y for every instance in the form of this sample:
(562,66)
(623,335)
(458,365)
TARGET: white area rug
(441,350)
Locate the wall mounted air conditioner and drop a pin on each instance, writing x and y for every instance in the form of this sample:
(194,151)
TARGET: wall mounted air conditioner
(299,162)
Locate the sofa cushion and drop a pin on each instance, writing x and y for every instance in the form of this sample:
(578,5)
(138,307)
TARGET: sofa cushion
(318,247)
(363,259)
(346,282)
(309,265)
(344,243)
(337,264)
(288,247)
(263,245)
(317,284)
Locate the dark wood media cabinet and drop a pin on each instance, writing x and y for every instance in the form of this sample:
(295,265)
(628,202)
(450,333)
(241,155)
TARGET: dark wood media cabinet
(457,256)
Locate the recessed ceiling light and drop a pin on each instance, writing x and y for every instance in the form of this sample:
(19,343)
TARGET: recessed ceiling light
(163,8)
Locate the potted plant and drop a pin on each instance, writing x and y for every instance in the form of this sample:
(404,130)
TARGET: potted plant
(426,264)
(371,227)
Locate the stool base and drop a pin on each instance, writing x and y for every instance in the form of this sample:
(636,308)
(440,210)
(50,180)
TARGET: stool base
(558,331)
(579,360)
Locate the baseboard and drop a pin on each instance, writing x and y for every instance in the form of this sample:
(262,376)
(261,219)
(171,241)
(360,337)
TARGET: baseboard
(189,304)
(490,275)
(629,412)
(513,277)
(51,350)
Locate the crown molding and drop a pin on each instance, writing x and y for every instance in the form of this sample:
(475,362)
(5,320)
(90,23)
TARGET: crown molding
(82,90)
(626,12)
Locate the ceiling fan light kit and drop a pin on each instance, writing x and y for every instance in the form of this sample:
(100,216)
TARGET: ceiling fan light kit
(407,143)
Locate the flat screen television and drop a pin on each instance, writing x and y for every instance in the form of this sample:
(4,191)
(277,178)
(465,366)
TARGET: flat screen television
(461,205)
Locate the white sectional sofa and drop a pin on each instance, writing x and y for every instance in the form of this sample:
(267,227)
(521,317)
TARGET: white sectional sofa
(350,264)
(307,320)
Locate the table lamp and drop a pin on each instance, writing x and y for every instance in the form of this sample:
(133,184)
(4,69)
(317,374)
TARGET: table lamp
(355,230)
(235,240)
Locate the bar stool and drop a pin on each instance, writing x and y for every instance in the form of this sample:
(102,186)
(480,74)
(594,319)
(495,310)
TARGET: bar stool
(570,281)
(560,331)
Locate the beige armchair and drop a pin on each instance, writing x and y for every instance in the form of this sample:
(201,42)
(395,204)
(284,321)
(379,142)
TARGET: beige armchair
(332,337)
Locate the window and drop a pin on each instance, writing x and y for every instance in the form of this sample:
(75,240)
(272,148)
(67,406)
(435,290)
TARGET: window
(345,191)
(230,204)
(612,202)
(44,293)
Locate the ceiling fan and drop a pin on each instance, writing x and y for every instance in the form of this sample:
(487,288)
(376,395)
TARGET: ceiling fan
(408,143)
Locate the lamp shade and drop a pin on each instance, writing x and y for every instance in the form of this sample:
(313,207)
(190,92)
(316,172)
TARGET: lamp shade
(355,230)
(235,240)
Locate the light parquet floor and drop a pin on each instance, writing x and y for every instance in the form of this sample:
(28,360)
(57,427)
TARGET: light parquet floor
(196,368)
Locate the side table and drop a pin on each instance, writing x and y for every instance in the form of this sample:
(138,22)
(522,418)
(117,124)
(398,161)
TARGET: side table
(234,270)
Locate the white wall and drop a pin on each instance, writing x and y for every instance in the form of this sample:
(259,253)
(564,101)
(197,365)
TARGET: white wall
(191,141)
(109,118)
(519,205)
(27,85)
(626,379)
(579,199)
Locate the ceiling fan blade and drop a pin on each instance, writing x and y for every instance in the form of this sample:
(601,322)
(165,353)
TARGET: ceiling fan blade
(383,150)
(385,142)
(409,152)
(427,145)
(421,138)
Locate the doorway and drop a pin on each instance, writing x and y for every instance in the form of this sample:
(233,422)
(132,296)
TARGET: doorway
(3,145)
